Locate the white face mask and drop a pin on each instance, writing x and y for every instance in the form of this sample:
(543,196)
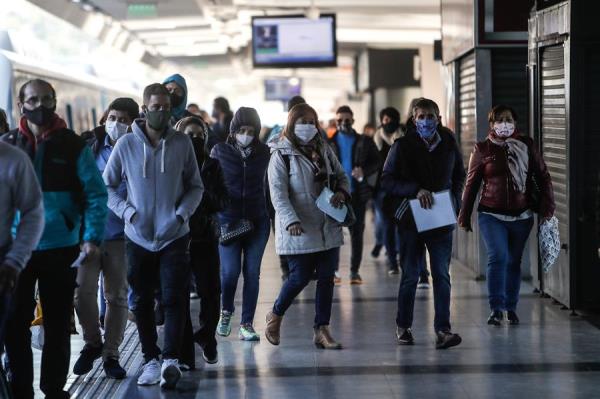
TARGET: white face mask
(504,129)
(115,130)
(305,131)
(244,140)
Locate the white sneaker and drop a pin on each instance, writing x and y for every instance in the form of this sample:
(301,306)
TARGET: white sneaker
(170,373)
(150,373)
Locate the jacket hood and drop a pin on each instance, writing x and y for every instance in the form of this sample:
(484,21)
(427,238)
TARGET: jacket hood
(245,116)
(138,128)
(179,111)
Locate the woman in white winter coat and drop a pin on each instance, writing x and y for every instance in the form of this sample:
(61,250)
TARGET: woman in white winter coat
(301,166)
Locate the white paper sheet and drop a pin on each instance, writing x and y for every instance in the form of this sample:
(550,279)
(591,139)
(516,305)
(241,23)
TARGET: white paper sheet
(324,204)
(441,213)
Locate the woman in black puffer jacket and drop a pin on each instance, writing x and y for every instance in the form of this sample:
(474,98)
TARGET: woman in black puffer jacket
(204,246)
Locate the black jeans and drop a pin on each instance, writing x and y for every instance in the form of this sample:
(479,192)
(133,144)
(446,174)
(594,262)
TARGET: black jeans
(205,265)
(51,269)
(168,269)
(5,302)
(357,231)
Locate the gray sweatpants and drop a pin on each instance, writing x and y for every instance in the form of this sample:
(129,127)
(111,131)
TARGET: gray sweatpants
(114,270)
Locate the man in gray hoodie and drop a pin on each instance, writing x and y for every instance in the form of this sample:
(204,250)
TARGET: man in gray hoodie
(164,189)
(20,192)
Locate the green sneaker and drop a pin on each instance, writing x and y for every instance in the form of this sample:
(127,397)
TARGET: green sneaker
(224,327)
(247,333)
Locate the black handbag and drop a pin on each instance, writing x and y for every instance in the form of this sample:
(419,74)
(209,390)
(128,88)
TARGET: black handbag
(233,231)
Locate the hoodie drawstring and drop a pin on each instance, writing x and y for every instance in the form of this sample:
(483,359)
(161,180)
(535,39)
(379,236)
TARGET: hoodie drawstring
(162,158)
(144,171)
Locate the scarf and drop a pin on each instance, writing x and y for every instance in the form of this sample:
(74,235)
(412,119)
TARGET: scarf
(55,124)
(518,160)
(381,137)
(245,151)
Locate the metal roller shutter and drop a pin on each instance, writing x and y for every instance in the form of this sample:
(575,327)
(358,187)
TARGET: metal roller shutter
(467,106)
(554,135)
(509,82)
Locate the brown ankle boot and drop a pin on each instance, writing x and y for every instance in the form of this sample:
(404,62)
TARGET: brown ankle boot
(324,340)
(273,327)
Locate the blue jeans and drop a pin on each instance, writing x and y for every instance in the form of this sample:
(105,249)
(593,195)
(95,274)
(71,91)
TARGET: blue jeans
(505,243)
(169,270)
(412,246)
(302,268)
(251,248)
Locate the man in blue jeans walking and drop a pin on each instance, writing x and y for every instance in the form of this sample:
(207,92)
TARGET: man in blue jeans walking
(425,161)
(163,191)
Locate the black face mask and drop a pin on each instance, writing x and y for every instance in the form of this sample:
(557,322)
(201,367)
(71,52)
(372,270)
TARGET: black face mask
(158,120)
(390,127)
(176,100)
(198,142)
(345,127)
(40,116)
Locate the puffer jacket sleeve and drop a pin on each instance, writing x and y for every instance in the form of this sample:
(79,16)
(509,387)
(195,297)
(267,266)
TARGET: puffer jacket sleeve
(474,179)
(279,186)
(94,197)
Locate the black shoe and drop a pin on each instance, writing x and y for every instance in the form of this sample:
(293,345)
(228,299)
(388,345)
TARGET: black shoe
(85,363)
(495,318)
(376,251)
(113,369)
(159,315)
(512,317)
(58,395)
(404,336)
(210,354)
(423,283)
(446,339)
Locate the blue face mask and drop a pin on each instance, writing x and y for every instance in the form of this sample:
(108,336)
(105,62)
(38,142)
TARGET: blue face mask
(426,127)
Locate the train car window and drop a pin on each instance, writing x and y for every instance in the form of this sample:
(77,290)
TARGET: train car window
(94,118)
(70,116)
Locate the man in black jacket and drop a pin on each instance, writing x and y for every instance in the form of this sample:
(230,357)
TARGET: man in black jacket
(360,160)
(426,160)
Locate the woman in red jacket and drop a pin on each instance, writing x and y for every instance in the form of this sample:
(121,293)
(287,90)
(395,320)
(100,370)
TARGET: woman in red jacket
(516,183)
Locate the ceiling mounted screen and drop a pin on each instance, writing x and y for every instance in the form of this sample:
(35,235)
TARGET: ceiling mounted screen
(294,41)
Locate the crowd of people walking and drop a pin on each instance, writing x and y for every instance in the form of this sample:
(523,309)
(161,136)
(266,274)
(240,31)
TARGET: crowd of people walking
(162,203)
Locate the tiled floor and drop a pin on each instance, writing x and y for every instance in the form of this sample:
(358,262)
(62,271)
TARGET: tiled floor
(550,355)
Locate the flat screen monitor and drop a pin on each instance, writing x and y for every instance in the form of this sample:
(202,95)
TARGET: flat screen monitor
(282,89)
(294,41)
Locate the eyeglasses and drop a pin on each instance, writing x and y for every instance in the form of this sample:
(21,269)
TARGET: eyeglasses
(35,101)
